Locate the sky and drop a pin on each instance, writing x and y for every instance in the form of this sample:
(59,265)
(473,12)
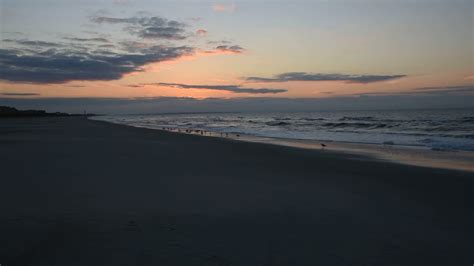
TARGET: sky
(73,54)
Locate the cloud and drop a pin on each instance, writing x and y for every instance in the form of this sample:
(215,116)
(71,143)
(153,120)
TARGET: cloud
(63,65)
(466,90)
(224,7)
(303,76)
(19,94)
(91,59)
(33,43)
(225,49)
(134,46)
(98,39)
(148,27)
(221,42)
(447,89)
(201,32)
(235,49)
(76,86)
(230,88)
(135,85)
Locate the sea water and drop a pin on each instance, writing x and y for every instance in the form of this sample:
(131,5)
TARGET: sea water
(436,129)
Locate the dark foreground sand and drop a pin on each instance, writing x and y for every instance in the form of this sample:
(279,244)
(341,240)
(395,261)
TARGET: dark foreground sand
(80,192)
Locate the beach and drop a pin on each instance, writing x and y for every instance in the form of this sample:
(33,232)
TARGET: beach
(80,192)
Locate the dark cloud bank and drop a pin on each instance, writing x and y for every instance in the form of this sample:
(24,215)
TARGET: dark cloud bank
(96,58)
(48,62)
(63,65)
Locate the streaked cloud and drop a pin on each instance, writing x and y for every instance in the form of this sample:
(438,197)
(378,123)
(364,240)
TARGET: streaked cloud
(230,88)
(19,94)
(220,7)
(32,43)
(466,90)
(98,39)
(75,86)
(446,89)
(304,76)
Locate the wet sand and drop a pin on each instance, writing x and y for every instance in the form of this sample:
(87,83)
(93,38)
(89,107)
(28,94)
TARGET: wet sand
(80,192)
(412,155)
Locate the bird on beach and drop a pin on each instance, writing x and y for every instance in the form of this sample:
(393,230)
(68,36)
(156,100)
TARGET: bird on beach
(323,145)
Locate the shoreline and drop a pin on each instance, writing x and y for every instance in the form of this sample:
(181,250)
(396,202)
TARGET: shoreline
(410,155)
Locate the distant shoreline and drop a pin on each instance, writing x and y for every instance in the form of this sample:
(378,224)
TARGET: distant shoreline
(11,112)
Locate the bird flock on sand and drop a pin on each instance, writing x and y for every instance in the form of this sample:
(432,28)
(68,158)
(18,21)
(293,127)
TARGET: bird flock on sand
(209,133)
(199,132)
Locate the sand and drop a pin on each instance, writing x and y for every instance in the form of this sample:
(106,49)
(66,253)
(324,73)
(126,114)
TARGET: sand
(80,192)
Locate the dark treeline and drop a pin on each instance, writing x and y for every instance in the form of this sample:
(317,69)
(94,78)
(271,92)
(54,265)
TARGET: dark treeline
(6,111)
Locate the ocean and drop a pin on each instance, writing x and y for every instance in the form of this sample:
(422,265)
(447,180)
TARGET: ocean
(434,129)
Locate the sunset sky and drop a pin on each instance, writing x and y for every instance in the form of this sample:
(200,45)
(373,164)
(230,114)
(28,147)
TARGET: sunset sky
(235,49)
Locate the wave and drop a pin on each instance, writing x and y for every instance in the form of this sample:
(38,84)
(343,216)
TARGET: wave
(357,118)
(282,118)
(354,125)
(467,119)
(429,129)
(312,119)
(276,123)
(461,136)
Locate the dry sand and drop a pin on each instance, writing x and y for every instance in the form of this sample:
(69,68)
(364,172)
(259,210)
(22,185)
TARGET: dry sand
(81,192)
